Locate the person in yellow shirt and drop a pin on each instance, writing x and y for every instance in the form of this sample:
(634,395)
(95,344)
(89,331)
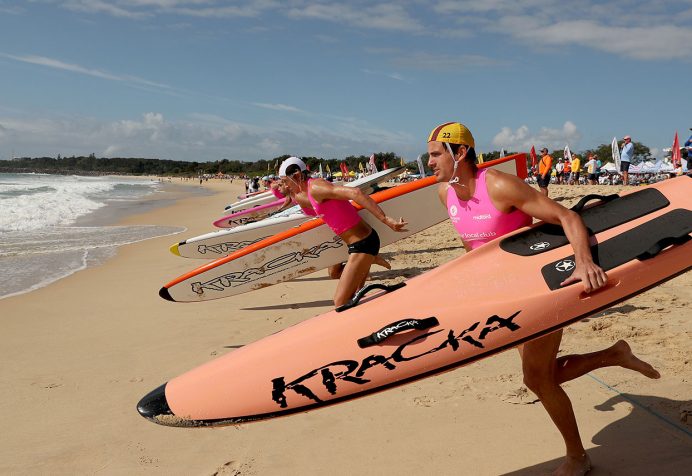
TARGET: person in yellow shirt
(545,167)
(576,168)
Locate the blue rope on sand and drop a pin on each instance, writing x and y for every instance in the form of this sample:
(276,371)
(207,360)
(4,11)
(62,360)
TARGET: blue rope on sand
(636,403)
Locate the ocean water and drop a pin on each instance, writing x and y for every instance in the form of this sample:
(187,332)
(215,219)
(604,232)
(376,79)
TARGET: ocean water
(43,232)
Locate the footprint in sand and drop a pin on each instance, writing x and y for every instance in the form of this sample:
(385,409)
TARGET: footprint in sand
(424,401)
(520,396)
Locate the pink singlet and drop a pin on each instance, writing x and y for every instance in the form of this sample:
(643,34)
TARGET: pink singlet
(477,220)
(276,193)
(308,211)
(339,215)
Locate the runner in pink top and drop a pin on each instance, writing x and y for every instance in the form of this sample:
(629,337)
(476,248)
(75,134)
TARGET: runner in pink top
(477,220)
(339,215)
(332,203)
(490,204)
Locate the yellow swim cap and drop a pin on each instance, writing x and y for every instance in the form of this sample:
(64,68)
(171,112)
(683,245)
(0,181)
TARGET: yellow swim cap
(452,132)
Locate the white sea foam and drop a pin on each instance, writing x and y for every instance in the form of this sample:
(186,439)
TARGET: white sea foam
(32,202)
(37,244)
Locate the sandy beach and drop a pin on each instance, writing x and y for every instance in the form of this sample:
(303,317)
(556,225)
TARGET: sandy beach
(79,354)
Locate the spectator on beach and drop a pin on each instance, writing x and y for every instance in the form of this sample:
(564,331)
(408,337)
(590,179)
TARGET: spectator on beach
(599,164)
(576,168)
(559,171)
(545,168)
(509,204)
(591,170)
(626,155)
(567,171)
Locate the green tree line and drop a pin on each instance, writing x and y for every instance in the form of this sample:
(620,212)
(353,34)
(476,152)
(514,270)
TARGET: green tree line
(161,167)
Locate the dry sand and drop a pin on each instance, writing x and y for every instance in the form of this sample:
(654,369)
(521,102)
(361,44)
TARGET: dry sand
(79,354)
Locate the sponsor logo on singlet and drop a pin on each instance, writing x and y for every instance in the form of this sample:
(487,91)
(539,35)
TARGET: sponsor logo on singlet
(478,236)
(482,217)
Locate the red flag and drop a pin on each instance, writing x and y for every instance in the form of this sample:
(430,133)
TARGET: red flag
(344,169)
(384,165)
(307,166)
(533,160)
(675,154)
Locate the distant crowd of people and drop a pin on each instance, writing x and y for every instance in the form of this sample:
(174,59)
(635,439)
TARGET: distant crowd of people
(591,172)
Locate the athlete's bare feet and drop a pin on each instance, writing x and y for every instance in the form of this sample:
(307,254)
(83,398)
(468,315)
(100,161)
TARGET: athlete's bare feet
(379,260)
(625,358)
(574,466)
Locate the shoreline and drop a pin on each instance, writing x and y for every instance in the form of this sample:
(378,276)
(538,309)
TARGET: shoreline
(80,353)
(64,263)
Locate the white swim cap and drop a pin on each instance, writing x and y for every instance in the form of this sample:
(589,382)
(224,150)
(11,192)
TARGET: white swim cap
(288,162)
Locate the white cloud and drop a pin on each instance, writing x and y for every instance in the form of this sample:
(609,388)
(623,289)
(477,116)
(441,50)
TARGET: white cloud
(75,68)
(199,137)
(140,9)
(652,42)
(277,107)
(381,16)
(523,138)
(98,6)
(395,76)
(631,28)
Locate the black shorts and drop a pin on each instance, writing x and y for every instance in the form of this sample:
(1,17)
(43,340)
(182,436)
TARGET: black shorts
(592,177)
(370,245)
(543,182)
(624,166)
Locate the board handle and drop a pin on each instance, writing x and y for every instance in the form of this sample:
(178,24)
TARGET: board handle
(579,206)
(366,289)
(395,328)
(663,243)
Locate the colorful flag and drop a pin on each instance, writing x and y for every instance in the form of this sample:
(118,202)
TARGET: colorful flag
(360,166)
(384,165)
(321,172)
(403,164)
(373,167)
(615,151)
(567,154)
(421,168)
(533,160)
(480,158)
(344,169)
(329,171)
(502,153)
(675,157)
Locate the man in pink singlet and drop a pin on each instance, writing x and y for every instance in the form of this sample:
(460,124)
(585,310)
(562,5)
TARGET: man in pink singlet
(506,203)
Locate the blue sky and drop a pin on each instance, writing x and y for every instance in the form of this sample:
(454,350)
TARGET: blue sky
(211,79)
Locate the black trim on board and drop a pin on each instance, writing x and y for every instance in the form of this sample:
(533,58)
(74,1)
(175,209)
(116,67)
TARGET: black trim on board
(641,242)
(154,403)
(597,218)
(452,366)
(163,292)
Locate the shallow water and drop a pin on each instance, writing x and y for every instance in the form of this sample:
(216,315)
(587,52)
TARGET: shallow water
(42,218)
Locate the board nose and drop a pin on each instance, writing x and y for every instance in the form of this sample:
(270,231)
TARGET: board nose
(154,404)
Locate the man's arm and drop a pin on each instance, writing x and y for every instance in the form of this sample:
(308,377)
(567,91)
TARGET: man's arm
(507,192)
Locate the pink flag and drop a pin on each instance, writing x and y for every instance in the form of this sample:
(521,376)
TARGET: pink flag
(373,167)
